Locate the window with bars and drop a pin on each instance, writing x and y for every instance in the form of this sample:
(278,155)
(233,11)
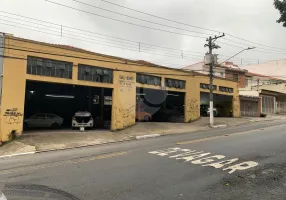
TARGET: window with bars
(225,89)
(235,77)
(147,79)
(207,86)
(95,74)
(174,83)
(49,67)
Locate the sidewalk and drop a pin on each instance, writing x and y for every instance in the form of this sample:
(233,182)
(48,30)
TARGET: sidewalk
(63,139)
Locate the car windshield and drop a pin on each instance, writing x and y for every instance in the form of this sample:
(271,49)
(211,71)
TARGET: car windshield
(143,99)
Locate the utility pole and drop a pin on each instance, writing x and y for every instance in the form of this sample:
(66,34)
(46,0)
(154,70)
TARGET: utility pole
(211,45)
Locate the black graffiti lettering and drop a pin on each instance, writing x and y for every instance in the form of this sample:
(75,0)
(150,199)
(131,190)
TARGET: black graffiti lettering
(13,116)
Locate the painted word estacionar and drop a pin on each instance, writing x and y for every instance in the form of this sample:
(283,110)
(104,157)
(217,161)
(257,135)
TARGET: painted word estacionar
(205,159)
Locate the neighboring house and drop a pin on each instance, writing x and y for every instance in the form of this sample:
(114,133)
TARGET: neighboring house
(275,68)
(202,68)
(258,93)
(271,91)
(227,70)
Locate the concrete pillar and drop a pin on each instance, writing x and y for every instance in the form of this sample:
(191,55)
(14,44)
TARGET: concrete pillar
(123,100)
(236,105)
(192,100)
(13,97)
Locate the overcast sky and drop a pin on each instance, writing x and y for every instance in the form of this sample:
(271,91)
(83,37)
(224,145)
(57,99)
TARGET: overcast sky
(254,20)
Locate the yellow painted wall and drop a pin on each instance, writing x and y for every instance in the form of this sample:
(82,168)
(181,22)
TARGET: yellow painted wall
(123,100)
(15,77)
(13,97)
(192,100)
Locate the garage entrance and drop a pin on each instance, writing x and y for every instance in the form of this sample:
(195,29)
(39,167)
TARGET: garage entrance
(222,105)
(159,105)
(52,105)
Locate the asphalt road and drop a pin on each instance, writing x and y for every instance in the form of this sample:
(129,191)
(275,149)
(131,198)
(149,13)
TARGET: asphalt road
(245,162)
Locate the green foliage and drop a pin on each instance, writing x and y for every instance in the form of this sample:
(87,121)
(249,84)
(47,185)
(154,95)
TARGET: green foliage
(281,6)
(12,135)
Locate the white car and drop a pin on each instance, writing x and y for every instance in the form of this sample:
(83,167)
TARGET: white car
(82,119)
(43,120)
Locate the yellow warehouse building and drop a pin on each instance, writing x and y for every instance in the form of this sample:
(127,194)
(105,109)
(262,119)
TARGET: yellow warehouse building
(26,63)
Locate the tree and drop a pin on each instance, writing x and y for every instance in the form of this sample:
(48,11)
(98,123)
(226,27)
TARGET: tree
(281,6)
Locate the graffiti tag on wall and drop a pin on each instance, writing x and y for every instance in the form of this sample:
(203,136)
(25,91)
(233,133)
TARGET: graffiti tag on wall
(13,116)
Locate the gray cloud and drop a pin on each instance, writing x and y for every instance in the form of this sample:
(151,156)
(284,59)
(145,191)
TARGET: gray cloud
(253,20)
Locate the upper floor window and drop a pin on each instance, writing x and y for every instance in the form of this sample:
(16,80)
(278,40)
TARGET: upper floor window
(95,74)
(174,83)
(225,89)
(235,77)
(207,86)
(147,79)
(49,67)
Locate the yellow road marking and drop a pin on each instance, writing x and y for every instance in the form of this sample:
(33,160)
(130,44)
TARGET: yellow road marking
(61,163)
(217,137)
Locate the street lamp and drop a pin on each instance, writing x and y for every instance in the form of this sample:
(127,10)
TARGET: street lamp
(211,101)
(249,48)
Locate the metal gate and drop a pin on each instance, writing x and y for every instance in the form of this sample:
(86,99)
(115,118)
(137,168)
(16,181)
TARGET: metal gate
(248,108)
(268,104)
(281,107)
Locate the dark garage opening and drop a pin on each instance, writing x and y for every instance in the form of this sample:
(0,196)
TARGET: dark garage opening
(159,105)
(222,103)
(65,100)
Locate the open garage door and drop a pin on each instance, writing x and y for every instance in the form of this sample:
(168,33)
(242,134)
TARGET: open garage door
(222,105)
(58,106)
(159,105)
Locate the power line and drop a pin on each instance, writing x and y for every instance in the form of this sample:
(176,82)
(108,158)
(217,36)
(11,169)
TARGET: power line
(29,29)
(130,42)
(93,6)
(170,20)
(179,51)
(102,43)
(160,17)
(121,20)
(108,45)
(130,23)
(258,47)
(253,50)
(23,48)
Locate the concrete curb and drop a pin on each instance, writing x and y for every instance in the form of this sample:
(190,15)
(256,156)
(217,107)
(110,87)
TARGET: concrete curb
(147,136)
(130,138)
(219,126)
(18,154)
(82,146)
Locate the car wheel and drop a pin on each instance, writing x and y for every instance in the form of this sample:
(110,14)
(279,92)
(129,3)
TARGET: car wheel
(55,126)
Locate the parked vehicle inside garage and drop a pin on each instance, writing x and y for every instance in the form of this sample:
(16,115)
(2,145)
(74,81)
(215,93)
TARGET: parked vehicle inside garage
(82,119)
(43,120)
